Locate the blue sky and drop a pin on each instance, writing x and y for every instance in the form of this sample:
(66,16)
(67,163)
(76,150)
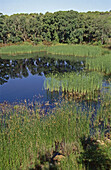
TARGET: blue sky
(30,6)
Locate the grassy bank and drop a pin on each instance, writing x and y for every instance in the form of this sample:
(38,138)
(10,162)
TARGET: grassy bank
(62,140)
(75,50)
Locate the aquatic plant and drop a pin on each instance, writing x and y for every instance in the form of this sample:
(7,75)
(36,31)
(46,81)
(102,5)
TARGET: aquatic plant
(28,139)
(21,49)
(75,83)
(101,63)
(75,50)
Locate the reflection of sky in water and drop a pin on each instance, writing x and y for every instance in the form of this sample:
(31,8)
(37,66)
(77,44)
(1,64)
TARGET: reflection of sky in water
(24,78)
(21,89)
(31,87)
(106,87)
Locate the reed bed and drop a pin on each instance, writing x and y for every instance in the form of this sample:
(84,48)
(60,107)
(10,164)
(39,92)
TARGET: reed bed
(40,55)
(75,50)
(28,139)
(21,49)
(75,83)
(101,64)
(19,56)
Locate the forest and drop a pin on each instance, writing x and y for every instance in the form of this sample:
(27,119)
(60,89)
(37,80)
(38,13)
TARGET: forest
(70,27)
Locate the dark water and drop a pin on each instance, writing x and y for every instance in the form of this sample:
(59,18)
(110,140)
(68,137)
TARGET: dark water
(24,79)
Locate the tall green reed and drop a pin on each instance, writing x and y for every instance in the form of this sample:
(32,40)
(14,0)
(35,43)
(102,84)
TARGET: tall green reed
(75,50)
(101,64)
(27,136)
(81,83)
(19,49)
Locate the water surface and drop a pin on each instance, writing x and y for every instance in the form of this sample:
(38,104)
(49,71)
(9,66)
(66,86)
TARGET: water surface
(24,78)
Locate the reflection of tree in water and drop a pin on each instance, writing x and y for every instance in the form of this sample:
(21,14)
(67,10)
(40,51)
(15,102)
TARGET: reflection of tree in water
(21,68)
(4,69)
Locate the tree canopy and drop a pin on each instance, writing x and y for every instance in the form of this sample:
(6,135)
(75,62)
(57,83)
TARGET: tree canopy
(62,26)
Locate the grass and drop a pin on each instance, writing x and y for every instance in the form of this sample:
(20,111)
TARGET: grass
(75,83)
(101,64)
(21,49)
(40,55)
(70,137)
(75,50)
(29,140)
(97,59)
(19,56)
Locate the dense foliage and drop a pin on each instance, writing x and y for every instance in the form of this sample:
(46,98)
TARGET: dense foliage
(62,26)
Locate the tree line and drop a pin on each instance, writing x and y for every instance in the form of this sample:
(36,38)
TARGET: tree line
(62,26)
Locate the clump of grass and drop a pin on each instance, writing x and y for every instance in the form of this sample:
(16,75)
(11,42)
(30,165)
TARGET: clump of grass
(28,139)
(101,64)
(84,83)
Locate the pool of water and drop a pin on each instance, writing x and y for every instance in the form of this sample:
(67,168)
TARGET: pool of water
(23,79)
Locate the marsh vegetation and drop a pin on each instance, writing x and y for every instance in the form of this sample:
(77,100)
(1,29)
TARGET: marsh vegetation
(69,137)
(70,126)
(76,133)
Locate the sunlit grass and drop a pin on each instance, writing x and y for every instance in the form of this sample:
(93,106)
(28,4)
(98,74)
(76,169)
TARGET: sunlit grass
(101,64)
(75,83)
(75,50)
(28,139)
(20,49)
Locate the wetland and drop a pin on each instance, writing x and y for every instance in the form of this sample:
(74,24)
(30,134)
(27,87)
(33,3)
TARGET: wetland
(55,91)
(55,107)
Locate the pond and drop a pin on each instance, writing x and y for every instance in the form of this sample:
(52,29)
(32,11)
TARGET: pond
(47,99)
(25,79)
